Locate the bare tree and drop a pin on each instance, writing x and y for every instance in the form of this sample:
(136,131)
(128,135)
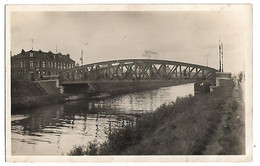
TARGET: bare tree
(150,54)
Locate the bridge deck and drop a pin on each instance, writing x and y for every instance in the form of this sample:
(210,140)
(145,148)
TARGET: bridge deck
(127,81)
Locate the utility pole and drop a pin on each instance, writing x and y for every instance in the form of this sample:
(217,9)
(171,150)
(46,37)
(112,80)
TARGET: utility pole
(56,49)
(207,59)
(221,59)
(81,57)
(32,44)
(85,44)
(219,52)
(82,52)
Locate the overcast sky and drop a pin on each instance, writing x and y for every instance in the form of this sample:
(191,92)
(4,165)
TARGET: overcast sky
(179,36)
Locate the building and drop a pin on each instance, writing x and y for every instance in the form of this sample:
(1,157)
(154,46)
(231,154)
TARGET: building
(34,65)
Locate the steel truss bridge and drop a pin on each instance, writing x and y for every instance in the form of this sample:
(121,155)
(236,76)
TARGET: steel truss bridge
(137,70)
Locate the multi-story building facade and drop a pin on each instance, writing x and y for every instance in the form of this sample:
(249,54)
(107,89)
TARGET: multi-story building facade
(34,65)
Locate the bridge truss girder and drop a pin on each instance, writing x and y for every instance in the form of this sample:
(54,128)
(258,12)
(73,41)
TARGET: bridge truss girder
(137,69)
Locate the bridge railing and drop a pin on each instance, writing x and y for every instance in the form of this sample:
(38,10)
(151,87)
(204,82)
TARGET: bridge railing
(142,69)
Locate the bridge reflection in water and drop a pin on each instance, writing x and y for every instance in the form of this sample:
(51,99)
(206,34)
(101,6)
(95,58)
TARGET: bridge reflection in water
(55,129)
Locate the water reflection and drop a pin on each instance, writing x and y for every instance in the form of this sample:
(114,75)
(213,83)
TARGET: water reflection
(55,129)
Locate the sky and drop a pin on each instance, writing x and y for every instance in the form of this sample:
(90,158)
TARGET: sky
(186,36)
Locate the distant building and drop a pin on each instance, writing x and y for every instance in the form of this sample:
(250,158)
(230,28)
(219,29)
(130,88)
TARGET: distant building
(33,65)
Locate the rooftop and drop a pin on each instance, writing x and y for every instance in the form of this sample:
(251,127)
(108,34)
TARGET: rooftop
(43,55)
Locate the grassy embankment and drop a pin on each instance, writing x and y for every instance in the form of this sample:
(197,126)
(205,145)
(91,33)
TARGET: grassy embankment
(27,94)
(186,126)
(231,137)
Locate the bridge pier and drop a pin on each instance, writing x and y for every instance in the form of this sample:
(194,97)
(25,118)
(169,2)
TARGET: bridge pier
(76,89)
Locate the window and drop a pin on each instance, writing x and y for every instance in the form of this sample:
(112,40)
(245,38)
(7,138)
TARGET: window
(43,64)
(31,54)
(21,64)
(55,65)
(31,63)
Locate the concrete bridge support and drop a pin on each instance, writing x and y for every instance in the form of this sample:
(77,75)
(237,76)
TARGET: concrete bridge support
(76,89)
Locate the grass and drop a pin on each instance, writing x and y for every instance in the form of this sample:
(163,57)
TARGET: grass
(233,140)
(183,127)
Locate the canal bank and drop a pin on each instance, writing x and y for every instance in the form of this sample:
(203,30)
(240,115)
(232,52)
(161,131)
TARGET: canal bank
(190,125)
(29,94)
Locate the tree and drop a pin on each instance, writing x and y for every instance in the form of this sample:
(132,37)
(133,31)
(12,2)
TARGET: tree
(149,54)
(240,76)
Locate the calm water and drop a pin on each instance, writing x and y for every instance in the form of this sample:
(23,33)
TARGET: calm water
(56,129)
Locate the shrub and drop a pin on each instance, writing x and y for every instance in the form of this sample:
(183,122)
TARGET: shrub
(91,149)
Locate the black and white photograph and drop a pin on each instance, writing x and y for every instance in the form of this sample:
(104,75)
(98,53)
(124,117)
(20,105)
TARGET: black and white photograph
(157,82)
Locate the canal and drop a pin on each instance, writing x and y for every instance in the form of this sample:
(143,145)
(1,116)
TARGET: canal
(56,129)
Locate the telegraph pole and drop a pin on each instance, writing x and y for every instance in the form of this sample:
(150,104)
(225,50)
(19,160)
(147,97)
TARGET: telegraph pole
(81,57)
(222,57)
(32,44)
(207,56)
(56,49)
(219,52)
(82,52)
